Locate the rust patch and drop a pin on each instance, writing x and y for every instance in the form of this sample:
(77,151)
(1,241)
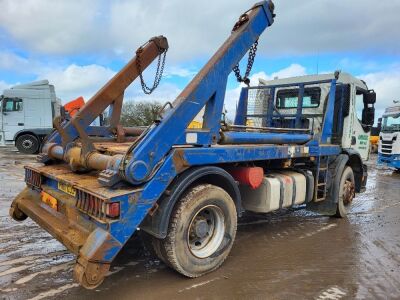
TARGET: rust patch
(133,199)
(179,160)
(86,182)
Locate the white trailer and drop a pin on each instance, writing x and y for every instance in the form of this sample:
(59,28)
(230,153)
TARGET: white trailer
(27,113)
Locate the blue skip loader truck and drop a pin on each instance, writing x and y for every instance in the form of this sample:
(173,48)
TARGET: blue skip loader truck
(185,188)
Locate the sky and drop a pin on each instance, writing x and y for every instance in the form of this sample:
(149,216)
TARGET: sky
(79,45)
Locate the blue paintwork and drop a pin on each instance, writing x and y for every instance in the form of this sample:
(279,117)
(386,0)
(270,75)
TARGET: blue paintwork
(327,126)
(392,160)
(240,118)
(264,138)
(299,106)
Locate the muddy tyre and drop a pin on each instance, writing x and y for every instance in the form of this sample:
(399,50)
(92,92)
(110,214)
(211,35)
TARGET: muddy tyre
(28,144)
(346,192)
(201,231)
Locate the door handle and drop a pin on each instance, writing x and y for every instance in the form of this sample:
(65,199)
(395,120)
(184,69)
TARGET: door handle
(20,124)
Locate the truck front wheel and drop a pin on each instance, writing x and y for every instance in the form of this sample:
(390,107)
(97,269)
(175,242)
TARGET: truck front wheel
(346,192)
(28,144)
(201,231)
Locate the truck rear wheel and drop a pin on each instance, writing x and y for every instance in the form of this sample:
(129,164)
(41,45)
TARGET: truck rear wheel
(346,192)
(28,144)
(201,231)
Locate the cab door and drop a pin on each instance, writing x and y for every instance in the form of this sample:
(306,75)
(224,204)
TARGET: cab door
(13,117)
(365,111)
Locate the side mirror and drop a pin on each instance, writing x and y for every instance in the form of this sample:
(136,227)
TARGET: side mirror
(368,116)
(379,123)
(370,97)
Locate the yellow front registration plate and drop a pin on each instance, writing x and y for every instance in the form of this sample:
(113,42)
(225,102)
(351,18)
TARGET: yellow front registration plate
(66,188)
(49,200)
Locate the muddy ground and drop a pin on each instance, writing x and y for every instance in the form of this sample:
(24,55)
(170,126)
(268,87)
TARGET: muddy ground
(286,255)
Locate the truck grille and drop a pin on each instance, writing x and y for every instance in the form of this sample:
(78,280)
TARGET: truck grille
(386,146)
(33,178)
(91,205)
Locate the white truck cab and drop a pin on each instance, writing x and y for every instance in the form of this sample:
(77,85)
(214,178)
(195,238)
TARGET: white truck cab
(354,102)
(26,115)
(389,138)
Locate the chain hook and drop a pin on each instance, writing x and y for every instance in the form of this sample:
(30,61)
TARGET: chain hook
(252,54)
(159,72)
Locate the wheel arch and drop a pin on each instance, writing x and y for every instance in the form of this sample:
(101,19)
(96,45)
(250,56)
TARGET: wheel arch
(23,132)
(359,168)
(157,224)
(39,133)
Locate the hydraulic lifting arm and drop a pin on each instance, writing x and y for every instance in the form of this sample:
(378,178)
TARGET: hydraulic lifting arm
(207,90)
(110,95)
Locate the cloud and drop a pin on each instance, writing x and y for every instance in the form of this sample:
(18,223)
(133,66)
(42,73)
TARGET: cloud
(197,28)
(312,27)
(74,81)
(10,61)
(56,27)
(4,85)
(165,92)
(179,71)
(386,85)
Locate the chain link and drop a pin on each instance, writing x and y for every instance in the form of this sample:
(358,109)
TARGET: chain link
(250,61)
(159,72)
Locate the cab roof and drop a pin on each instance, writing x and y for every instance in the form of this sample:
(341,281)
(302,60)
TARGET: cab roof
(344,78)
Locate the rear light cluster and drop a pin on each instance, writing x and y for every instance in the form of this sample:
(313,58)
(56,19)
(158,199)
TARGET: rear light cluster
(97,207)
(33,178)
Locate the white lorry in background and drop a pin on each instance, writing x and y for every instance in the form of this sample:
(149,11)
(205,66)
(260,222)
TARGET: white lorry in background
(27,113)
(389,138)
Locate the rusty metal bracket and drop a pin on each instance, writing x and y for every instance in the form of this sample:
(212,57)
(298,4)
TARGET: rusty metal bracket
(110,95)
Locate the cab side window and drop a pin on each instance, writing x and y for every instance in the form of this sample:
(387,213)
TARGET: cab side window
(359,104)
(12,104)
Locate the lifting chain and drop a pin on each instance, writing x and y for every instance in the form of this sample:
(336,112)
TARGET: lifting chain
(159,72)
(250,61)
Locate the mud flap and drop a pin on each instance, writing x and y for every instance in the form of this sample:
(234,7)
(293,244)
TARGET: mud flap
(329,205)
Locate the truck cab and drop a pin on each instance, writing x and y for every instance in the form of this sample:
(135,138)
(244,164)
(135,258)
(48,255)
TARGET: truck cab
(389,138)
(353,111)
(26,115)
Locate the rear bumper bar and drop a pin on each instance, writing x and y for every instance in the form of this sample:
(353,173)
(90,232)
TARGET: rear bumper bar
(82,237)
(58,225)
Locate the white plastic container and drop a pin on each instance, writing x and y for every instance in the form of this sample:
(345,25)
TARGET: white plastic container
(288,189)
(278,190)
(263,199)
(299,186)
